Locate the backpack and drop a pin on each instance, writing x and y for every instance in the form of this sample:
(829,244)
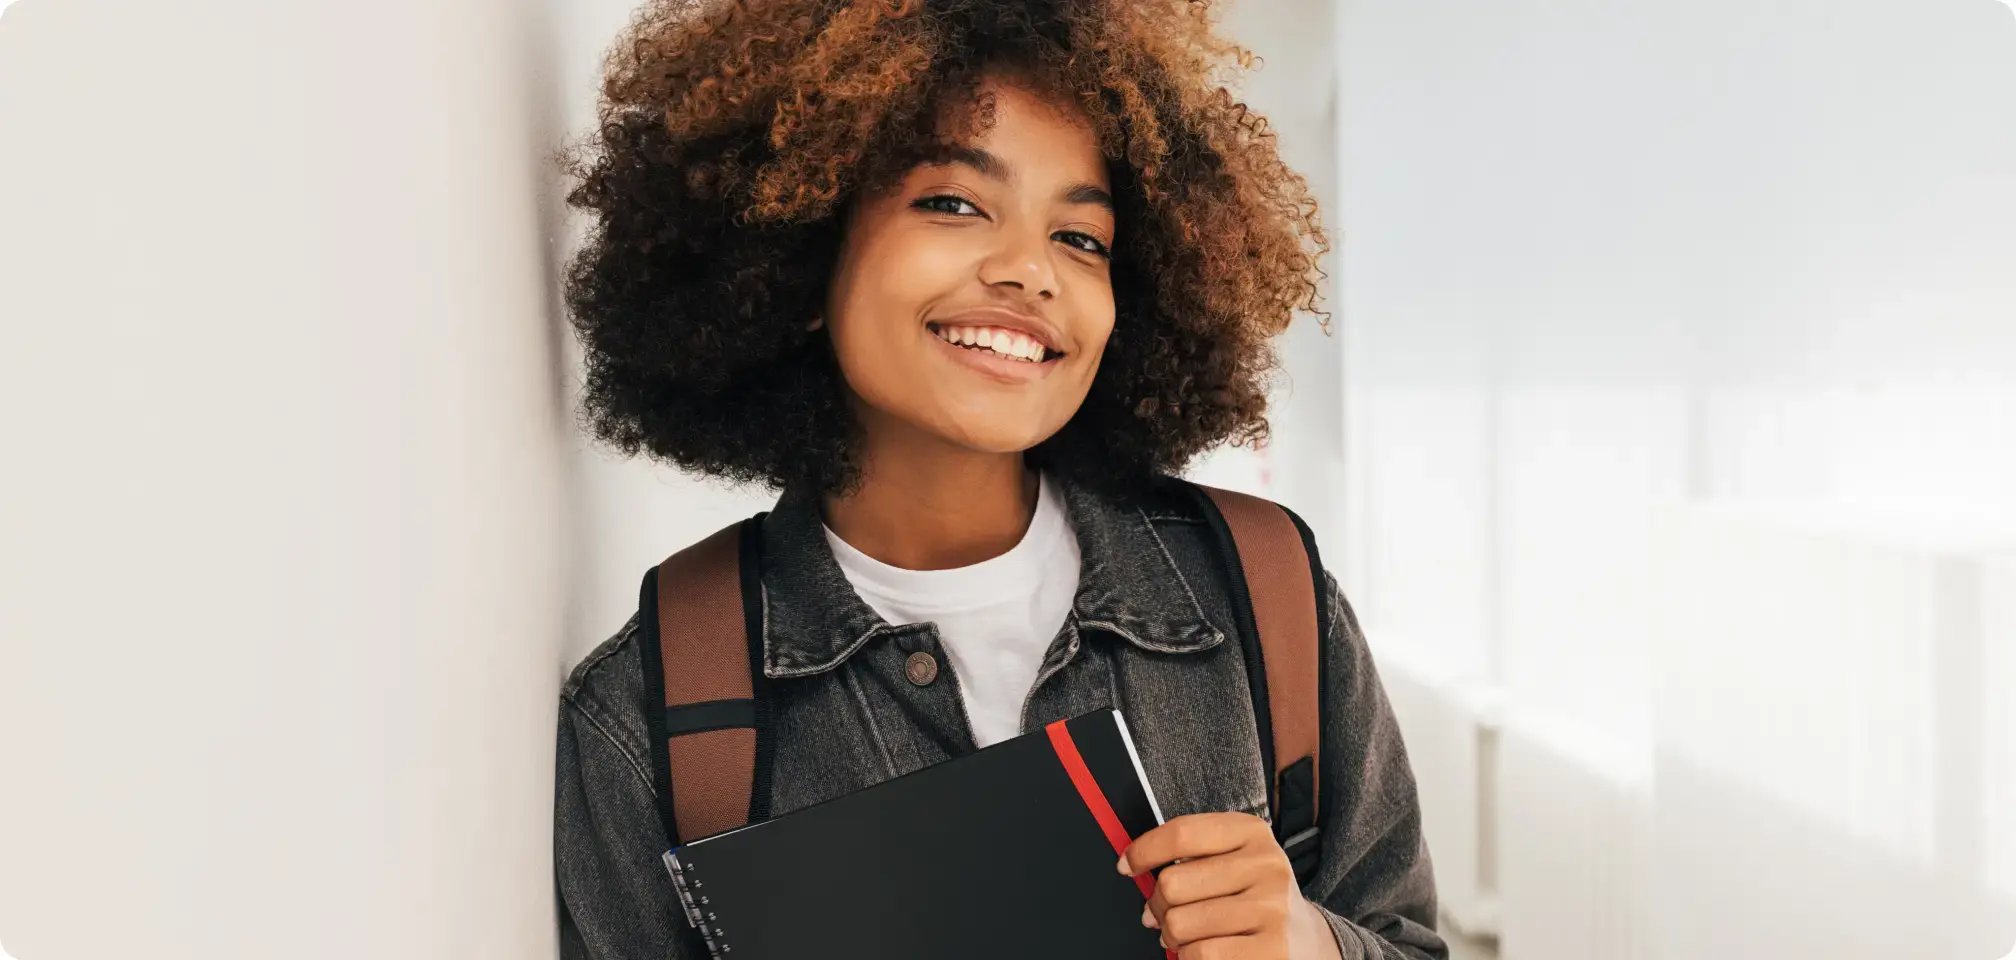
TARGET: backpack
(701,615)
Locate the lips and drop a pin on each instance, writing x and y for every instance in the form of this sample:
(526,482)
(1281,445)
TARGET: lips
(1029,325)
(1001,340)
(991,365)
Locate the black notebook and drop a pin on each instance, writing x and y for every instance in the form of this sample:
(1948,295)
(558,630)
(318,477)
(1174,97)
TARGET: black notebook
(1006,852)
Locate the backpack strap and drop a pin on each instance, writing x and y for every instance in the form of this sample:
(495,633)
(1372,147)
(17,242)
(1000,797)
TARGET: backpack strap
(1277,598)
(701,613)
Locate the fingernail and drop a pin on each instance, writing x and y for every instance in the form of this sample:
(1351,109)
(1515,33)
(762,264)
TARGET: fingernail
(1122,866)
(1148,917)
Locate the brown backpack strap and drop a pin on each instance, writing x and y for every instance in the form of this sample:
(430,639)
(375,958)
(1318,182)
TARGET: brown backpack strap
(1278,580)
(710,735)
(1283,594)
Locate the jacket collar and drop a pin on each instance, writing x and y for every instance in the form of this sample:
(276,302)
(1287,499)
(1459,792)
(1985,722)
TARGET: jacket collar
(1127,584)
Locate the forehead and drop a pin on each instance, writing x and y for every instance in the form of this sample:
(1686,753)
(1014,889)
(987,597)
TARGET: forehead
(1038,136)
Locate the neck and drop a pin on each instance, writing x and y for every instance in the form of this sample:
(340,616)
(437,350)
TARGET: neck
(924,505)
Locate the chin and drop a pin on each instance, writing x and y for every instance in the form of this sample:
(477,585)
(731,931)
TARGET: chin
(1005,440)
(1018,445)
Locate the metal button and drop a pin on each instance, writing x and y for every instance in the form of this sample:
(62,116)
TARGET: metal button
(921,668)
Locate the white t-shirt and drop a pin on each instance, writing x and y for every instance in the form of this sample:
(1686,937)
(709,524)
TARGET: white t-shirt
(995,618)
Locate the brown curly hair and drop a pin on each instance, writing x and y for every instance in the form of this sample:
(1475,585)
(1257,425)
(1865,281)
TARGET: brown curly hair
(732,136)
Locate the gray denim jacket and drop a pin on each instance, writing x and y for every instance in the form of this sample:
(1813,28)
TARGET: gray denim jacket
(1148,633)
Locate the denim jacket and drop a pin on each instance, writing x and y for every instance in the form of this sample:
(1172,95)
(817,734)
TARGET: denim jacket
(1149,632)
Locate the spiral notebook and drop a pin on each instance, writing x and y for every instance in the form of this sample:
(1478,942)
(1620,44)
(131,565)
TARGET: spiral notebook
(1006,852)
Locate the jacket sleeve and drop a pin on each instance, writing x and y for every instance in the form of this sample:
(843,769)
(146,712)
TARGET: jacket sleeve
(616,901)
(1374,881)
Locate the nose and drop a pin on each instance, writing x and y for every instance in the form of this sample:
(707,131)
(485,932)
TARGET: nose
(1021,260)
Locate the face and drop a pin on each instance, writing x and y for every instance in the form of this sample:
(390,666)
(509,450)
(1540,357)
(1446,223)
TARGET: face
(1002,246)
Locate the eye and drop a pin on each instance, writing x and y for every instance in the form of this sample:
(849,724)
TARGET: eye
(930,203)
(1091,243)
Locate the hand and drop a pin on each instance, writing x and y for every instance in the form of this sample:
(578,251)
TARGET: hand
(1233,896)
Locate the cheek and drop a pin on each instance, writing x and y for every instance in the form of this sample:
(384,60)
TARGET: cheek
(883,290)
(1097,313)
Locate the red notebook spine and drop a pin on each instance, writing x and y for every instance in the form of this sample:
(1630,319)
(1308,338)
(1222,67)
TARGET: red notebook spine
(1096,802)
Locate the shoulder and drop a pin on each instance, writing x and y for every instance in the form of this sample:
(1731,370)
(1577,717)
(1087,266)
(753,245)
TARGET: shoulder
(1169,500)
(1173,500)
(1175,510)
(606,689)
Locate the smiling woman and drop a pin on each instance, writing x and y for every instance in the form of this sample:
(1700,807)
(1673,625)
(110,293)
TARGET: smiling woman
(885,167)
(969,280)
(1002,240)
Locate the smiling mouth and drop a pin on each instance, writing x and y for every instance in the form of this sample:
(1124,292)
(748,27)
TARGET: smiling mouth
(1004,345)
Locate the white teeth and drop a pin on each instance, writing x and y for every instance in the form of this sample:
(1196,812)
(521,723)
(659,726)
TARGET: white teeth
(1005,343)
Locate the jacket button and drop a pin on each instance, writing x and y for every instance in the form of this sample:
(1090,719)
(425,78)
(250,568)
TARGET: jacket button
(921,668)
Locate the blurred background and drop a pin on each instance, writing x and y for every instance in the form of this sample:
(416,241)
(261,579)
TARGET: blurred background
(1664,441)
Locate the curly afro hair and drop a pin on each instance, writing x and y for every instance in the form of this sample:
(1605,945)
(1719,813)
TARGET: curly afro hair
(732,135)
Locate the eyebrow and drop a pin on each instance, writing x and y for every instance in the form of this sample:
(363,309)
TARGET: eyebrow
(994,168)
(1088,193)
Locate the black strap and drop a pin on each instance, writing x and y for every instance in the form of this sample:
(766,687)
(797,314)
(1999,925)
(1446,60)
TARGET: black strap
(764,716)
(654,700)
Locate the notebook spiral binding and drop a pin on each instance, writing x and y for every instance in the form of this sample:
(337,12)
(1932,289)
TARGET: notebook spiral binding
(693,901)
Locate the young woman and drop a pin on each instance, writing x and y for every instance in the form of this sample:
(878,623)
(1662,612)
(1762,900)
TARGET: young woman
(967,282)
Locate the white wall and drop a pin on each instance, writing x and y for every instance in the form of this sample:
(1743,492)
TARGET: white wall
(284,554)
(1634,293)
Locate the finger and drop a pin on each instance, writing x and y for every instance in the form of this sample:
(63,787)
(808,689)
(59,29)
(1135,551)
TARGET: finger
(1220,876)
(1207,877)
(1205,919)
(1223,875)
(1193,835)
(1151,912)
(1224,948)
